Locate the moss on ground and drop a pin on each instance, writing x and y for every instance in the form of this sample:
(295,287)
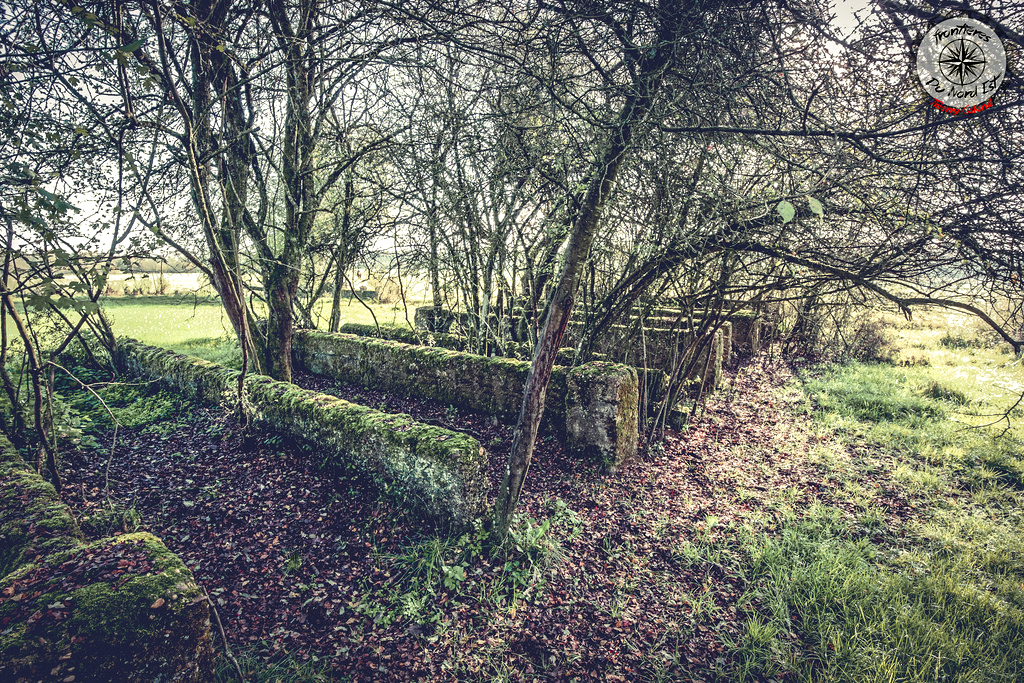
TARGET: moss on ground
(119,608)
(33,521)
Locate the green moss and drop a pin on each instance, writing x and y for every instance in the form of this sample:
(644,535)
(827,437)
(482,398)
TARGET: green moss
(150,622)
(441,472)
(59,620)
(33,521)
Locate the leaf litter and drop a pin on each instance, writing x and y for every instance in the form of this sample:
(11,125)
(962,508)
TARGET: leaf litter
(613,578)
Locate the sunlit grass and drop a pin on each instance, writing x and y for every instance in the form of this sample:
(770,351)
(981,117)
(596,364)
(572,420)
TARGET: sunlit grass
(939,596)
(199,327)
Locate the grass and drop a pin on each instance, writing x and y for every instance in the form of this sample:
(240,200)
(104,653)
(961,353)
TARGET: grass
(198,326)
(937,596)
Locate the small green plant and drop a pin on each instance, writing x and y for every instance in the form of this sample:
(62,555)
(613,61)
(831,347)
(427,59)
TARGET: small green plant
(110,520)
(940,392)
(293,563)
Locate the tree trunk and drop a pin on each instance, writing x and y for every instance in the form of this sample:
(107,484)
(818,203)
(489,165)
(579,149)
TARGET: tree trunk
(583,227)
(343,253)
(434,266)
(282,284)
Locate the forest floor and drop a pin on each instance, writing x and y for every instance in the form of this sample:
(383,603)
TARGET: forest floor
(734,550)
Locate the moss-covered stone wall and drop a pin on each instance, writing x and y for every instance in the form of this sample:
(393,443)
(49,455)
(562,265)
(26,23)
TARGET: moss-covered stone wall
(453,342)
(118,609)
(437,472)
(406,336)
(747,333)
(493,386)
(657,348)
(602,412)
(488,385)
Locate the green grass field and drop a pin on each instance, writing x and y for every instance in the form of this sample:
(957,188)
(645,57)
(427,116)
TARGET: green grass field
(198,326)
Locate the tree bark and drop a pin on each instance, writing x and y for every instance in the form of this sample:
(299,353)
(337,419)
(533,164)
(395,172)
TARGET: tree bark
(584,222)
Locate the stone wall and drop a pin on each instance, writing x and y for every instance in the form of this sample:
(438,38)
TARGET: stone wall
(439,473)
(660,345)
(747,328)
(657,348)
(452,342)
(493,386)
(122,608)
(422,337)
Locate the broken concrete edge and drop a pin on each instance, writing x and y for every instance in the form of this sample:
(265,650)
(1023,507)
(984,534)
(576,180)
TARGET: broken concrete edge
(437,473)
(489,385)
(603,413)
(68,608)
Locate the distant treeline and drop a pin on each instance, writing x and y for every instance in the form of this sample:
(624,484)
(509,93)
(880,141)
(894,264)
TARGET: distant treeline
(168,264)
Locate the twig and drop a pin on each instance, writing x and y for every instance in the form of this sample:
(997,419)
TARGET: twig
(117,425)
(224,637)
(352,288)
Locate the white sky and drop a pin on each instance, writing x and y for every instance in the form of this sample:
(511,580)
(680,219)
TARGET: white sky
(847,11)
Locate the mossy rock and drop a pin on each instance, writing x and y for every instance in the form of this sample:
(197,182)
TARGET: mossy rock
(33,521)
(116,609)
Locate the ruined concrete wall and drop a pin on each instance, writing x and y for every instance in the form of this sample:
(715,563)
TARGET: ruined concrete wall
(422,337)
(746,332)
(493,386)
(439,473)
(429,319)
(657,348)
(452,342)
(118,609)
(602,413)
(488,385)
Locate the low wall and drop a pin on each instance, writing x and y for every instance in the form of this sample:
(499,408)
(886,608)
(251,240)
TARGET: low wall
(493,386)
(429,319)
(452,342)
(423,337)
(118,609)
(440,473)
(657,348)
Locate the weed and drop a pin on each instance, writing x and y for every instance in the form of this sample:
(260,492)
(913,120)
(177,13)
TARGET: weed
(284,669)
(292,563)
(108,521)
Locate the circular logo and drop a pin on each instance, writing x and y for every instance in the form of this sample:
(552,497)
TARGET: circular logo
(961,62)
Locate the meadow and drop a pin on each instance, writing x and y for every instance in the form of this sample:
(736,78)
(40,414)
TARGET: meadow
(197,325)
(926,581)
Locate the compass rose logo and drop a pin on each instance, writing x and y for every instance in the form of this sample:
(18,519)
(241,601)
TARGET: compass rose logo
(961,63)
